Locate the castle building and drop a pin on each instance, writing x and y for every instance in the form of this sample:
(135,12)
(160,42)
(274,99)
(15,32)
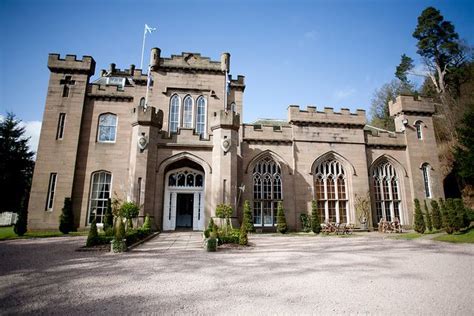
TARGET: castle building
(177,146)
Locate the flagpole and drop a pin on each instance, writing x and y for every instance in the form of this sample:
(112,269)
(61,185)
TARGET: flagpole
(143,48)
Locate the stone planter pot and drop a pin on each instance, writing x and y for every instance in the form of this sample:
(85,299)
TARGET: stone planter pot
(363,226)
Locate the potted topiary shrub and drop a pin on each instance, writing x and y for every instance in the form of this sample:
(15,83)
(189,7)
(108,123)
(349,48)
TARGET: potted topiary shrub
(119,244)
(211,242)
(129,210)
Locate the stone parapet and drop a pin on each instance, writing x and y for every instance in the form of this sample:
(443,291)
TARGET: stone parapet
(70,64)
(328,116)
(411,104)
(185,137)
(108,92)
(190,61)
(273,133)
(376,138)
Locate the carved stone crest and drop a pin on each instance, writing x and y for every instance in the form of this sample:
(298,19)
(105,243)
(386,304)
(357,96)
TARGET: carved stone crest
(225,144)
(142,142)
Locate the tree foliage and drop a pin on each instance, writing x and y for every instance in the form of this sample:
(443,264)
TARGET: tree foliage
(464,152)
(243,236)
(93,234)
(109,216)
(419,220)
(16,165)
(379,111)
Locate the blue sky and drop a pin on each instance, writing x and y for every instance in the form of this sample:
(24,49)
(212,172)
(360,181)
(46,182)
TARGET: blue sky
(323,53)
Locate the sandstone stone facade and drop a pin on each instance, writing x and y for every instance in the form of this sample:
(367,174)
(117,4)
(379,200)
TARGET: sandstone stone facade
(176,145)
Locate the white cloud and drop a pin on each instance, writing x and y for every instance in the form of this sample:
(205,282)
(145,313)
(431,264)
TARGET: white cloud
(344,93)
(33,130)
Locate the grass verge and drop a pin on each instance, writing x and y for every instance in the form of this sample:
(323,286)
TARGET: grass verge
(8,233)
(461,237)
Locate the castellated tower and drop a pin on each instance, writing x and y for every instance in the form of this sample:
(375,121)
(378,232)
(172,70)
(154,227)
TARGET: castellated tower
(414,118)
(57,152)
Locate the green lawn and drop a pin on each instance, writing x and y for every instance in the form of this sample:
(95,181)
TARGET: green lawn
(8,233)
(462,237)
(406,236)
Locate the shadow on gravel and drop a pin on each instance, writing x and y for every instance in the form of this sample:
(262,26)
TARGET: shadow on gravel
(51,277)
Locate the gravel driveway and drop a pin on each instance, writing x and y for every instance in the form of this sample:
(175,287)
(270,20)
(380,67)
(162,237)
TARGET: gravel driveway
(279,275)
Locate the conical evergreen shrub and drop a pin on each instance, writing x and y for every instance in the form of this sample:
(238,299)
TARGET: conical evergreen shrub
(248,217)
(419,220)
(93,234)
(451,218)
(315,220)
(66,219)
(429,224)
(109,216)
(119,229)
(147,223)
(243,238)
(436,215)
(281,219)
(462,219)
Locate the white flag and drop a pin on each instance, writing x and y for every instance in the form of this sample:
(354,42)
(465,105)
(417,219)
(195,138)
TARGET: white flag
(149,29)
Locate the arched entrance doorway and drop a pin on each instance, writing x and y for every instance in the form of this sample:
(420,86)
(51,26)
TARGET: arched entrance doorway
(183,206)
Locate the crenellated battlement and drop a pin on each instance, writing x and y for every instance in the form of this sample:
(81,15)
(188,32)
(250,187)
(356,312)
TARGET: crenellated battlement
(70,64)
(225,119)
(411,104)
(328,116)
(131,72)
(192,61)
(108,92)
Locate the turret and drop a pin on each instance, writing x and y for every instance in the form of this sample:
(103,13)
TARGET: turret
(155,58)
(225,62)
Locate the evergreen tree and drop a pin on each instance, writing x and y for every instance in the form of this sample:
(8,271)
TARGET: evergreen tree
(281,219)
(462,219)
(16,166)
(93,234)
(66,219)
(436,215)
(243,237)
(315,220)
(419,220)
(119,229)
(211,225)
(109,216)
(429,224)
(248,218)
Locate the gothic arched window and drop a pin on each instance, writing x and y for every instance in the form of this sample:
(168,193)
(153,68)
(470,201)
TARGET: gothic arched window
(188,112)
(107,128)
(426,179)
(418,127)
(174,114)
(386,192)
(142,102)
(331,191)
(201,116)
(100,193)
(267,192)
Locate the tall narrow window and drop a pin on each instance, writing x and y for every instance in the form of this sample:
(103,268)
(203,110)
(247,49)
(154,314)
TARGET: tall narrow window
(51,191)
(201,116)
(386,192)
(107,128)
(65,91)
(61,122)
(267,191)
(426,179)
(418,127)
(100,193)
(331,192)
(188,112)
(174,114)
(142,102)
